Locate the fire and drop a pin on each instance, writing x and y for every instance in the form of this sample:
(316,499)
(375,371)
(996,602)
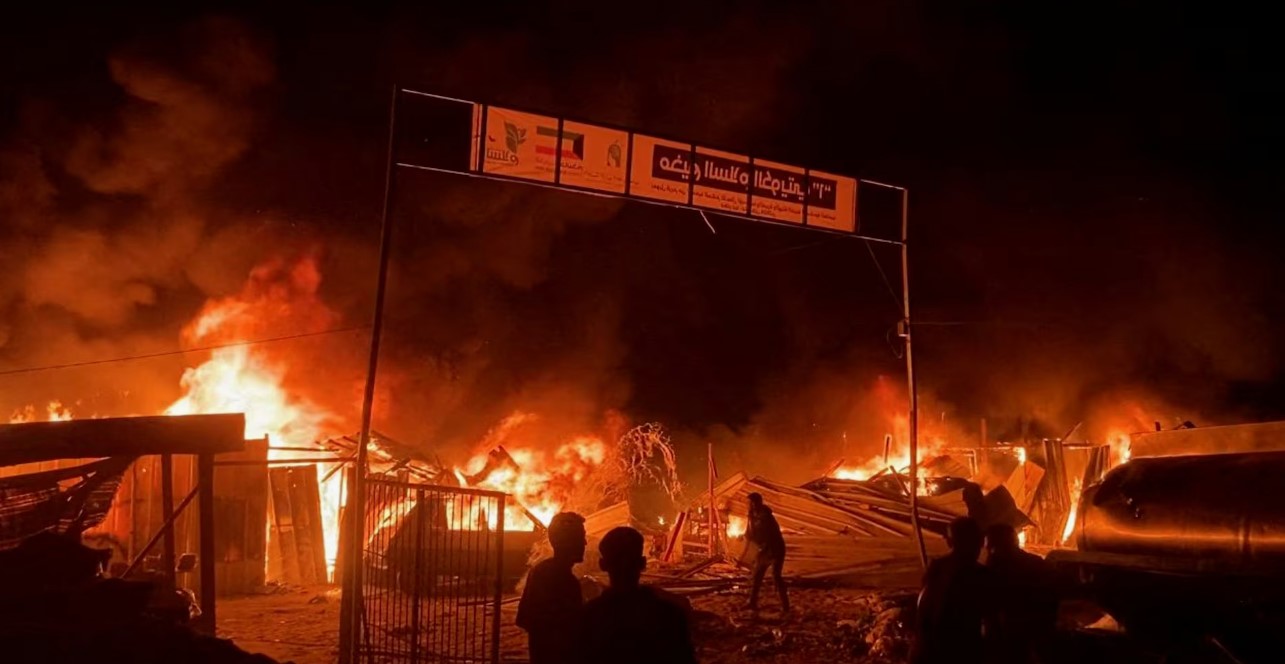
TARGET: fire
(1121,447)
(249,379)
(1021,538)
(54,412)
(538,481)
(736,526)
(1069,528)
(898,458)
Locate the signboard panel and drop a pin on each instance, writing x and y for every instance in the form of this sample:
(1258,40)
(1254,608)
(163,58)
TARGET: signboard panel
(519,145)
(721,181)
(832,201)
(660,170)
(778,191)
(594,157)
(534,147)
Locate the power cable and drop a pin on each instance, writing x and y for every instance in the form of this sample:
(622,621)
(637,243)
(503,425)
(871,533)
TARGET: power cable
(72,365)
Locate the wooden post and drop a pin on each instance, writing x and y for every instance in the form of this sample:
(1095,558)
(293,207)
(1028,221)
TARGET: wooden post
(167,507)
(205,486)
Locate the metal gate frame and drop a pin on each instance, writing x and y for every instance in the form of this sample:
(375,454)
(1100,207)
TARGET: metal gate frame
(432,574)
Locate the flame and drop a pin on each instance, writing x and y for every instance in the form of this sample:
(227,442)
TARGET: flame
(1121,447)
(898,457)
(736,526)
(1069,528)
(1021,538)
(249,378)
(538,481)
(54,412)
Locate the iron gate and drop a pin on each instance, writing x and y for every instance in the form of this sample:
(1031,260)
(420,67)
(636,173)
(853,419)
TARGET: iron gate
(433,574)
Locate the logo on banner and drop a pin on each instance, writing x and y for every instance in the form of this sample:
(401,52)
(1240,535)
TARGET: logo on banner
(570,145)
(514,137)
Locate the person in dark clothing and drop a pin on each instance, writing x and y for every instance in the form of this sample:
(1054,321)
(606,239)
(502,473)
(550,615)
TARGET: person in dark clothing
(631,623)
(953,604)
(1025,611)
(764,533)
(551,601)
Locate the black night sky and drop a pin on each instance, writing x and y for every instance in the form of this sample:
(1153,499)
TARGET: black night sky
(1094,216)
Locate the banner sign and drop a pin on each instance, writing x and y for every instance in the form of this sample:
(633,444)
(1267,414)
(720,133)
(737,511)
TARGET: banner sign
(578,155)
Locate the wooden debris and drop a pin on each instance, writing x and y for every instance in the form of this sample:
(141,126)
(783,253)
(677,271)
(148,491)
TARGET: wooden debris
(837,528)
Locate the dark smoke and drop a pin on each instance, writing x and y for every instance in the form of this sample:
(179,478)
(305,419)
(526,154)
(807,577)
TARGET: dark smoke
(1083,249)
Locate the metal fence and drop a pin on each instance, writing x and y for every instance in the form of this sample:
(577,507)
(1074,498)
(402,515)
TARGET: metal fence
(433,575)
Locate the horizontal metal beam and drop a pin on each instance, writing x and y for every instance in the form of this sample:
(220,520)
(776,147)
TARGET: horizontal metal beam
(679,206)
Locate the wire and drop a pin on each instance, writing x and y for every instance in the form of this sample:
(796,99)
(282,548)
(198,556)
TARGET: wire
(72,365)
(884,276)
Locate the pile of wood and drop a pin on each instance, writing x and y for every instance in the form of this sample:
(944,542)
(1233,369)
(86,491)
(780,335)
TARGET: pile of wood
(858,530)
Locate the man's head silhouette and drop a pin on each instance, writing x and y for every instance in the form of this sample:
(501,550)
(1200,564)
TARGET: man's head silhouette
(567,536)
(756,499)
(621,552)
(1001,538)
(965,538)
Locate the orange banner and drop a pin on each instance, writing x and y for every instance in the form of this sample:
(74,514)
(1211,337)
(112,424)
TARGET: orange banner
(593,157)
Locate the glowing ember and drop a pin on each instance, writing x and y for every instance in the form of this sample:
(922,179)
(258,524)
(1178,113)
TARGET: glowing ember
(736,526)
(1021,538)
(1021,455)
(1075,508)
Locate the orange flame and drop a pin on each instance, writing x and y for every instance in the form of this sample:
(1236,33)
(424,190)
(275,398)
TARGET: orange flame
(249,379)
(1069,527)
(736,526)
(539,481)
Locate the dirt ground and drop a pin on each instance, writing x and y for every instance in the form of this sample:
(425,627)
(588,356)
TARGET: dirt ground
(831,625)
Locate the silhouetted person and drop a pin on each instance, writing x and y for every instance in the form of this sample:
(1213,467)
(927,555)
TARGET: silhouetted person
(1025,599)
(551,602)
(765,534)
(953,602)
(631,623)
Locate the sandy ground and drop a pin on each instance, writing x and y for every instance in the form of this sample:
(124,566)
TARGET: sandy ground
(830,625)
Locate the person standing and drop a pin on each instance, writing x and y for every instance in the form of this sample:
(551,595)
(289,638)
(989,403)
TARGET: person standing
(764,533)
(631,623)
(1025,615)
(953,604)
(550,608)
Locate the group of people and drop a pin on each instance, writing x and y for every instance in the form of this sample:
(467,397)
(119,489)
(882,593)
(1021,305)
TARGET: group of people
(628,623)
(1003,611)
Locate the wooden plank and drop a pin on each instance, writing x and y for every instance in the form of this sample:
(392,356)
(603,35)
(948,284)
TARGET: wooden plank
(311,494)
(301,513)
(283,528)
(121,436)
(240,495)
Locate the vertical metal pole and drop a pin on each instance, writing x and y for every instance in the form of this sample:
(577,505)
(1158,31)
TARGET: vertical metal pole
(351,599)
(167,506)
(421,537)
(499,580)
(913,419)
(709,474)
(205,485)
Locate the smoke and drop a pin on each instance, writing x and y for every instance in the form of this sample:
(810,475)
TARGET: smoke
(105,229)
(1056,285)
